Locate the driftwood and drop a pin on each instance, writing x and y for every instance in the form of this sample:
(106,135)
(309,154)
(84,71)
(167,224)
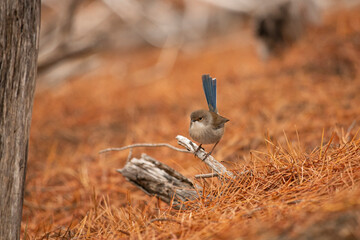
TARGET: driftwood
(157,179)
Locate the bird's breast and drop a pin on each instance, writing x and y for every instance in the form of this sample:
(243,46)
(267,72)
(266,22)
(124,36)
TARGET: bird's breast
(205,134)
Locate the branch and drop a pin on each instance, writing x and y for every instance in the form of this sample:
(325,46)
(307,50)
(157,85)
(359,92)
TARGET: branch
(68,21)
(144,145)
(207,175)
(210,160)
(65,52)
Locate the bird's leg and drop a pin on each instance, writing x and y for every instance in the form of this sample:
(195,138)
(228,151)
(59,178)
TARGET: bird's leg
(199,147)
(209,153)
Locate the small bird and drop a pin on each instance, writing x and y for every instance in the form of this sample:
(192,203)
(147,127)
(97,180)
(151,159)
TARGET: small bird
(207,127)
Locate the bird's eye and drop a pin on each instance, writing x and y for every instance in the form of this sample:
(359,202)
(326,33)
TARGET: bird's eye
(200,118)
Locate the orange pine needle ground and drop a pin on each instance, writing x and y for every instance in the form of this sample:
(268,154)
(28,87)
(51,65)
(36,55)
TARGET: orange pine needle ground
(292,134)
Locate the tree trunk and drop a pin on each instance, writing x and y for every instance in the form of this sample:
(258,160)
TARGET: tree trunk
(19,34)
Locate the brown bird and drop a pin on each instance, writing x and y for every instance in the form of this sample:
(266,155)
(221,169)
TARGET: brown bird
(207,126)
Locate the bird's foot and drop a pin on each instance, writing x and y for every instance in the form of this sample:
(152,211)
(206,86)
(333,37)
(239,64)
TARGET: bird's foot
(198,149)
(206,156)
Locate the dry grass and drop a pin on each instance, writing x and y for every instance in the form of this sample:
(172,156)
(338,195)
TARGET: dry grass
(291,126)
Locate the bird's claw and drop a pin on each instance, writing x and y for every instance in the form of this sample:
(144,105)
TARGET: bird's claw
(206,156)
(198,149)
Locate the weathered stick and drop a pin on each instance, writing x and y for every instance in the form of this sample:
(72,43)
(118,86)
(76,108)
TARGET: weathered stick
(210,160)
(207,175)
(144,145)
(158,179)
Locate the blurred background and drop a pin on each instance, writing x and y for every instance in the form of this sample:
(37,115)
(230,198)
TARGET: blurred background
(77,29)
(113,73)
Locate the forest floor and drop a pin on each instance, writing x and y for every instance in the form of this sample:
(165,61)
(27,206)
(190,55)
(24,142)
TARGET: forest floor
(294,124)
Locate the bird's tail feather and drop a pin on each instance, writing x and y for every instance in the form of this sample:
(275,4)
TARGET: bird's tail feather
(209,85)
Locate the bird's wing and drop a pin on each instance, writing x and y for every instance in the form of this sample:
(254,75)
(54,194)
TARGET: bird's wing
(219,121)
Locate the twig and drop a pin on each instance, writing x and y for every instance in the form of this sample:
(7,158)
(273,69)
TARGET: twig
(129,156)
(208,160)
(249,214)
(144,145)
(68,21)
(163,220)
(64,52)
(124,232)
(207,175)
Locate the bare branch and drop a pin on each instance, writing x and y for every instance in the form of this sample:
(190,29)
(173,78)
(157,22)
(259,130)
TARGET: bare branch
(65,53)
(144,145)
(68,20)
(207,175)
(208,160)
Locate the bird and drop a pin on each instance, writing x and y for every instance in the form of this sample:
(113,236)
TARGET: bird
(207,126)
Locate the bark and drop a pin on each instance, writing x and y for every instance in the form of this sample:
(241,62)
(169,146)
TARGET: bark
(19,32)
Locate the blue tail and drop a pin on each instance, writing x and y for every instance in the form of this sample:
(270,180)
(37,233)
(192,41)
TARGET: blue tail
(209,85)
